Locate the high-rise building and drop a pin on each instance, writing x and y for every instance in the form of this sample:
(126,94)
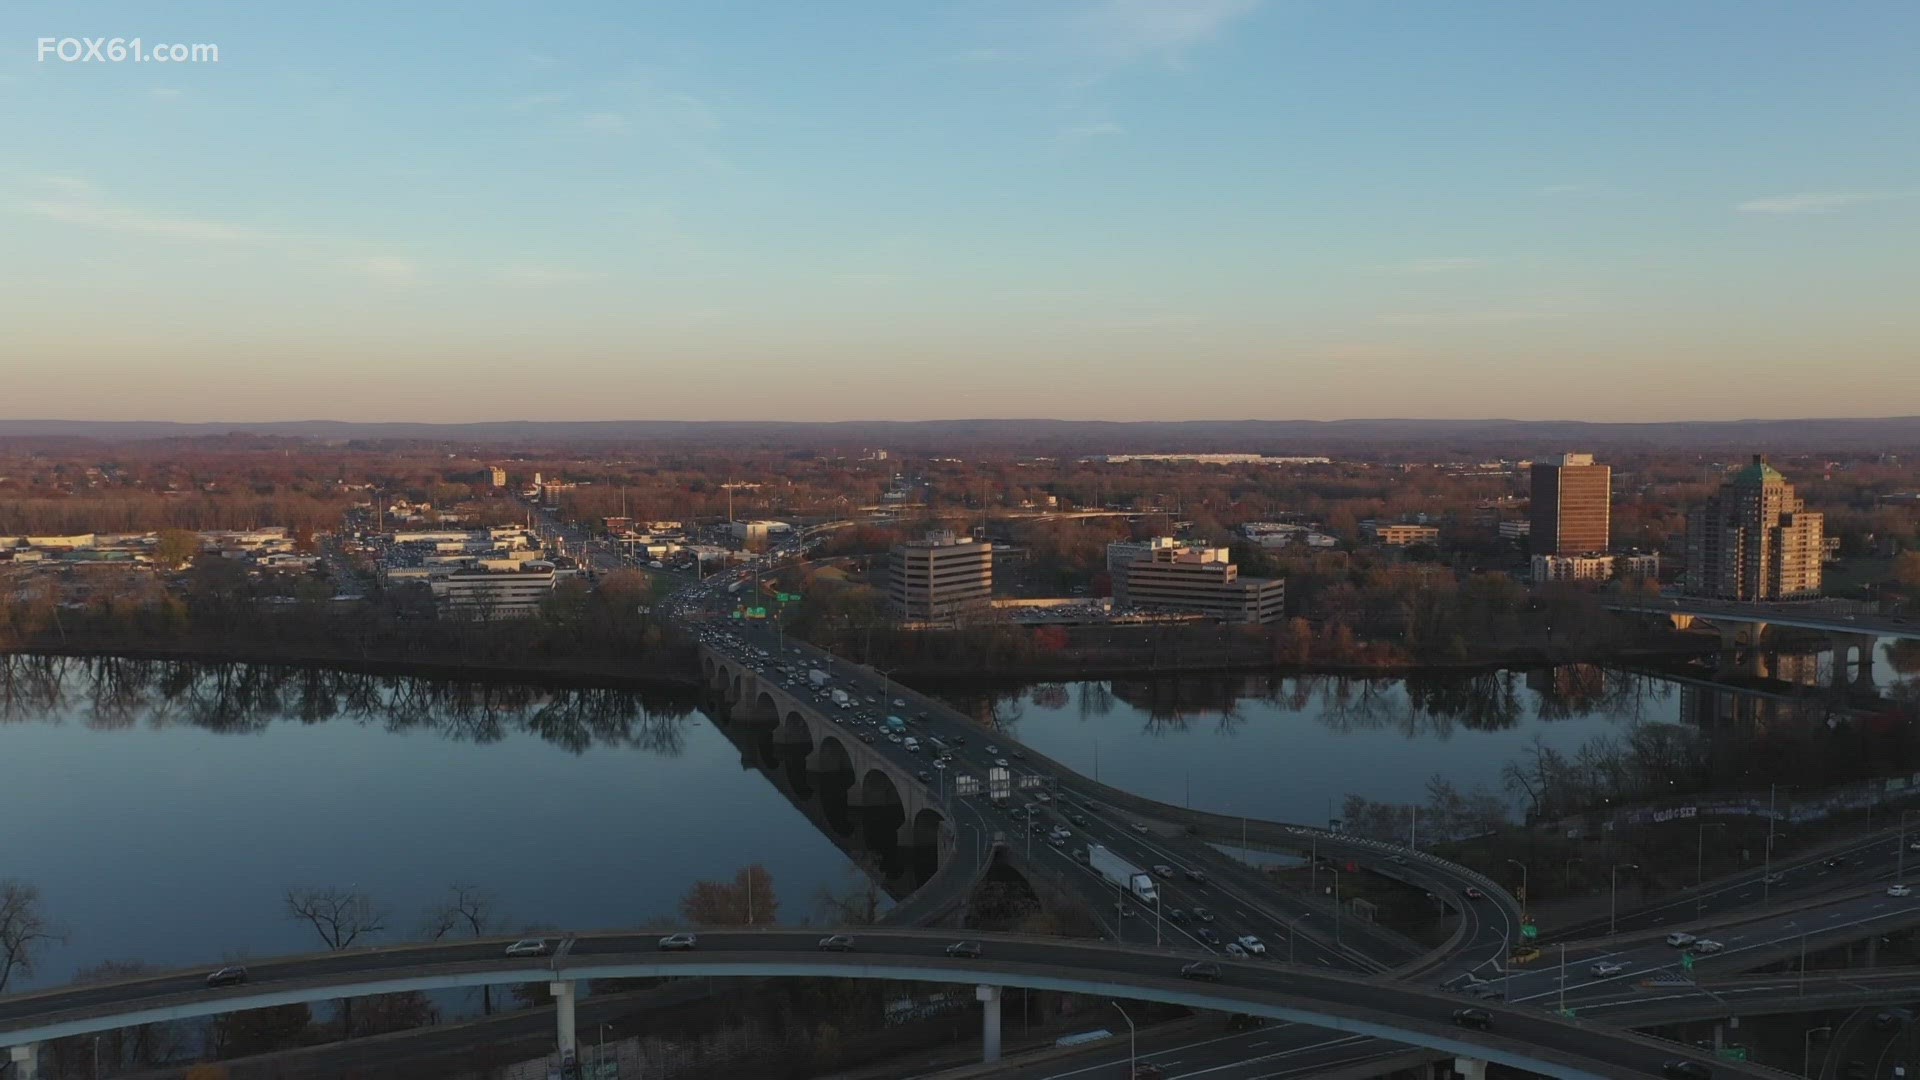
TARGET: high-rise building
(1205,581)
(1754,540)
(1572,506)
(941,577)
(498,475)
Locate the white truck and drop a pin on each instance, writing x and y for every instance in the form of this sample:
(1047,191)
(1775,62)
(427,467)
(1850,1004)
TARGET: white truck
(841,699)
(817,677)
(1123,874)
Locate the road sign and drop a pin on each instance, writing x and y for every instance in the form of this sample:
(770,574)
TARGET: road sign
(1030,781)
(1529,931)
(966,785)
(999,783)
(1686,961)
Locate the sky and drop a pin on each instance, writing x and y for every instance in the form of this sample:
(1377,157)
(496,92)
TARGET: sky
(842,209)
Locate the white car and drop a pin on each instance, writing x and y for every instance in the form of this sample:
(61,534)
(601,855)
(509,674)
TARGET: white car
(1252,944)
(1706,947)
(1236,950)
(1680,939)
(1606,969)
(1899,890)
(1000,761)
(528,947)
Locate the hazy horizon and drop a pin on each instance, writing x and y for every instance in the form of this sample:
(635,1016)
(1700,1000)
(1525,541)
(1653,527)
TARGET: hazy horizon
(1083,209)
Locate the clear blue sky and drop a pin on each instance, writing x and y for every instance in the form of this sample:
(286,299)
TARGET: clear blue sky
(1084,208)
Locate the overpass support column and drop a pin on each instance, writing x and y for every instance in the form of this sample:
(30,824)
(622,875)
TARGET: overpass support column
(26,1061)
(563,1005)
(989,1022)
(1470,1068)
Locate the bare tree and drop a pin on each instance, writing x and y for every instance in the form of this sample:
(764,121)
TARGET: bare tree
(340,916)
(24,930)
(471,909)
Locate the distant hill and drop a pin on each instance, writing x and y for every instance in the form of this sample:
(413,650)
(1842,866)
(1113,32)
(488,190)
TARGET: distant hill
(1040,435)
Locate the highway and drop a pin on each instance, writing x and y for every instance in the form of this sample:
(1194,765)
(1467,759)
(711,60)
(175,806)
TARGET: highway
(1805,615)
(1523,1038)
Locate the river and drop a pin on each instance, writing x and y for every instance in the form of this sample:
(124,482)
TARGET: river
(163,809)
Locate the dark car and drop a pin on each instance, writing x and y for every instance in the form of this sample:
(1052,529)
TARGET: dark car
(1682,1069)
(1473,1018)
(1892,1018)
(1203,970)
(969,949)
(1197,877)
(1833,862)
(836,943)
(1177,914)
(1203,914)
(228,976)
(1146,1070)
(1208,936)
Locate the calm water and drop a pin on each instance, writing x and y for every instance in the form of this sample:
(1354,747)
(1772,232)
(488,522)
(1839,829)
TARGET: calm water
(163,809)
(1292,749)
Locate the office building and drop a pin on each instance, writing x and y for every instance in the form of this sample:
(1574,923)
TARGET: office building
(1515,530)
(941,577)
(498,475)
(1572,506)
(1754,540)
(497,589)
(1596,566)
(1204,581)
(1405,535)
(1124,553)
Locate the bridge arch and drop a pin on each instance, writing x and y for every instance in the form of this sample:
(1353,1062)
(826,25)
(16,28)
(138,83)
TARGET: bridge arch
(832,756)
(926,825)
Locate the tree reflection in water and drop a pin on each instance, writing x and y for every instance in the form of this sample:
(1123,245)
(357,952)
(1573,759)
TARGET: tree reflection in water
(108,693)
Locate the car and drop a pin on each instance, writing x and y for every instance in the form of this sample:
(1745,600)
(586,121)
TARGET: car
(899,703)
(1473,1017)
(1141,829)
(1204,970)
(940,764)
(1208,936)
(528,947)
(1706,947)
(1000,761)
(837,943)
(1203,914)
(678,943)
(969,949)
(1399,860)
(228,976)
(993,750)
(1913,845)
(1057,840)
(1680,939)
(1899,890)
(1253,944)
(1474,894)
(1775,878)
(1177,914)
(1891,1018)
(1684,1069)
(1146,1070)
(1833,862)
(1236,950)
(1606,969)
(923,775)
(1196,877)
(1163,870)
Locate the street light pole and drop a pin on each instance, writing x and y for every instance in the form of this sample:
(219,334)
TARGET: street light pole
(1525,896)
(1806,1052)
(1336,904)
(1133,1058)
(1613,894)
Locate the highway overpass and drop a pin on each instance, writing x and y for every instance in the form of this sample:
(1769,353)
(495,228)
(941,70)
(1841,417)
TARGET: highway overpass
(1853,629)
(1372,1007)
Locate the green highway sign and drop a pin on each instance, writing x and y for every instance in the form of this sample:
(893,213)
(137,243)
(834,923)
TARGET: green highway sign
(1529,931)
(1686,961)
(1732,1053)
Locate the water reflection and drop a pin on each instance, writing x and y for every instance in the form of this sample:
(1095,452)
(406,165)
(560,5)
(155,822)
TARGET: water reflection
(109,693)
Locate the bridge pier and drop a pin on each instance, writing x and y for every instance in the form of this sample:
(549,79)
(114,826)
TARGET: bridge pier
(1847,671)
(989,997)
(564,1000)
(1470,1068)
(26,1061)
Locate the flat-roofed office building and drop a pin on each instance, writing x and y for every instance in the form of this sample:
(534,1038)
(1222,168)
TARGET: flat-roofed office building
(1205,581)
(496,592)
(941,577)
(1572,511)
(1124,553)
